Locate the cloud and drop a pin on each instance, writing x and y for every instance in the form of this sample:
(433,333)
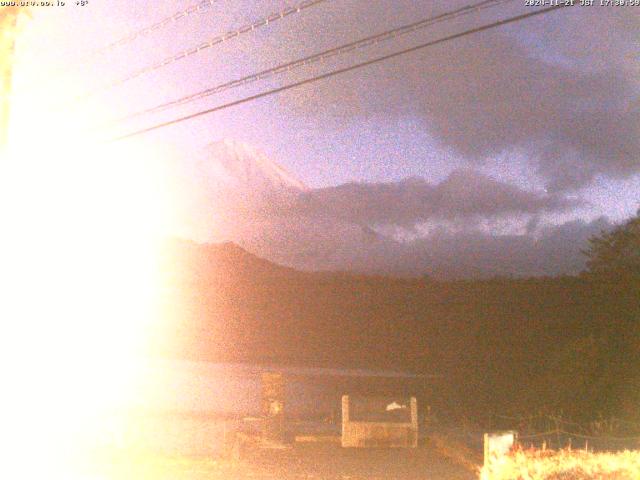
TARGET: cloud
(571,124)
(330,245)
(553,250)
(337,228)
(464,194)
(561,91)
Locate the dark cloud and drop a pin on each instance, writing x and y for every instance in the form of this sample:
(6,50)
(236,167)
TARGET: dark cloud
(553,250)
(464,194)
(326,245)
(561,90)
(339,228)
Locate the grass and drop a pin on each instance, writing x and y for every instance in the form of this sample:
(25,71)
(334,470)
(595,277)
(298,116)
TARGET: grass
(563,465)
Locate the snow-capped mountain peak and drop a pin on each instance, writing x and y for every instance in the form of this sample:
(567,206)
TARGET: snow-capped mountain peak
(239,165)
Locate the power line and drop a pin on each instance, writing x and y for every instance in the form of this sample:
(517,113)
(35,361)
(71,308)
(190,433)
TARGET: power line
(341,70)
(198,8)
(131,37)
(205,45)
(605,438)
(318,57)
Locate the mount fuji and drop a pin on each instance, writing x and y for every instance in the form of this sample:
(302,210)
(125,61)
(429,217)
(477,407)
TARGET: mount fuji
(238,194)
(235,193)
(233,165)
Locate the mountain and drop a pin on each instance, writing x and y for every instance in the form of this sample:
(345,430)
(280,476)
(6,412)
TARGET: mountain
(229,191)
(235,165)
(235,193)
(192,262)
(239,195)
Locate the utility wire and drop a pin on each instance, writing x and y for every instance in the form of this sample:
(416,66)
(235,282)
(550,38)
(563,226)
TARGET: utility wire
(198,8)
(578,435)
(318,57)
(560,420)
(274,17)
(131,37)
(341,70)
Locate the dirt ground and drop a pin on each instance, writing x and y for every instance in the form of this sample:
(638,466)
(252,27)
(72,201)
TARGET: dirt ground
(327,461)
(322,461)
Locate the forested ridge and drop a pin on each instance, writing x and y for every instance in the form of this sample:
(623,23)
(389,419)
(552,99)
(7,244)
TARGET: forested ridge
(568,344)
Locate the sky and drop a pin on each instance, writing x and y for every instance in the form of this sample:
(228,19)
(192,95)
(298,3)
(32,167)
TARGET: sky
(540,119)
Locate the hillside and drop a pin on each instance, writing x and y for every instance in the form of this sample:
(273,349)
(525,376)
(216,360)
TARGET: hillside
(503,344)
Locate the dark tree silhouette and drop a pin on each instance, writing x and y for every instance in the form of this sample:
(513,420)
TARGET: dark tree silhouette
(616,253)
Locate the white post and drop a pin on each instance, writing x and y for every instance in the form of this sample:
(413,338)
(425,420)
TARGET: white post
(498,444)
(345,418)
(414,421)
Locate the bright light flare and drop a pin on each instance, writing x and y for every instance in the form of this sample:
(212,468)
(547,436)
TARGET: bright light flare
(82,226)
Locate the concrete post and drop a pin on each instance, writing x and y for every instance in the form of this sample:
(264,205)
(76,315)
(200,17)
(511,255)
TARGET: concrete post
(414,422)
(273,430)
(497,444)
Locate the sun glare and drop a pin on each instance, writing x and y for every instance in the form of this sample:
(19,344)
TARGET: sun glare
(82,227)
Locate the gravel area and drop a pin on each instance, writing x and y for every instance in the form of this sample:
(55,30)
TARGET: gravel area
(330,461)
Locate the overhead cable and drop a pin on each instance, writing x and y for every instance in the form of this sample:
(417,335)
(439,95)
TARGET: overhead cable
(342,70)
